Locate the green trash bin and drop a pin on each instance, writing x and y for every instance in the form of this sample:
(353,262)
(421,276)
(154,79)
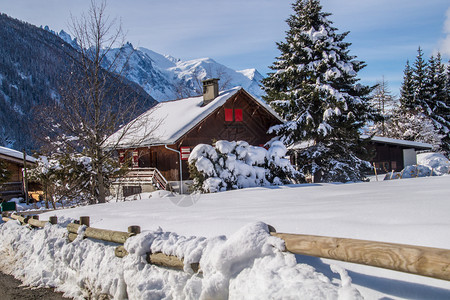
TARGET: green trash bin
(8,206)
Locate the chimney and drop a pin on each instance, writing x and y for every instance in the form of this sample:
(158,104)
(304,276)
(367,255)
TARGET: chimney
(210,90)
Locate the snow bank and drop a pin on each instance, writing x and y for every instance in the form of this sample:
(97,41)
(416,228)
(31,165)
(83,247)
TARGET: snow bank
(436,161)
(248,264)
(428,164)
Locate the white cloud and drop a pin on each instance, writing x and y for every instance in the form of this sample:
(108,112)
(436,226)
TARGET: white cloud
(444,44)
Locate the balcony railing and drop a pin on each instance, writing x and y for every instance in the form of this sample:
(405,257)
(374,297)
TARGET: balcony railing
(144,176)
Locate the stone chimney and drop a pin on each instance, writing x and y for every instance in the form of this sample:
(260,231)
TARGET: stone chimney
(210,90)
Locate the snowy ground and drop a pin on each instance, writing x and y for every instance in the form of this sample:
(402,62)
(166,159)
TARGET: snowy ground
(247,263)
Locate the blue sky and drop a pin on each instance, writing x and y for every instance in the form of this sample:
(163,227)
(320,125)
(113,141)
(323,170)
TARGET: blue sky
(242,34)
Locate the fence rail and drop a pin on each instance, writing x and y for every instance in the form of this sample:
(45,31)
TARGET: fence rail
(424,261)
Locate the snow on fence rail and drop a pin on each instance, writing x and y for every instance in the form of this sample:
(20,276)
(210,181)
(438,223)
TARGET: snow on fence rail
(425,261)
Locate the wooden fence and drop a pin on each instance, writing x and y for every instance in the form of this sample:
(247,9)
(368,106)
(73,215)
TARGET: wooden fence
(425,261)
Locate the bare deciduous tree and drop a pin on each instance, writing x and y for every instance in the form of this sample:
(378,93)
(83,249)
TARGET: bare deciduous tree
(94,101)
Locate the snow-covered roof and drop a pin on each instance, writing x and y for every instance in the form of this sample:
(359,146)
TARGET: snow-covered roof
(379,139)
(169,121)
(412,144)
(16,154)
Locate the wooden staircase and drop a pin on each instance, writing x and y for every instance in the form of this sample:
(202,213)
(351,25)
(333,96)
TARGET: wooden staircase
(143,176)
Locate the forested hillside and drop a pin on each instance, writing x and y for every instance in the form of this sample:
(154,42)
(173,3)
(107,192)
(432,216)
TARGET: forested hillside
(33,65)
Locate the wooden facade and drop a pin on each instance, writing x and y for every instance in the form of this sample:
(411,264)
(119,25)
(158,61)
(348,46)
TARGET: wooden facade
(392,154)
(14,186)
(241,117)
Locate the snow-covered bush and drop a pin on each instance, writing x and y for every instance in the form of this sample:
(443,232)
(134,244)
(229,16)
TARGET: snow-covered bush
(234,165)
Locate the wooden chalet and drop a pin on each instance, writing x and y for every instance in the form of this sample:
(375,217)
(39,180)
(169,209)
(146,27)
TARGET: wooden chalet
(14,162)
(178,126)
(393,154)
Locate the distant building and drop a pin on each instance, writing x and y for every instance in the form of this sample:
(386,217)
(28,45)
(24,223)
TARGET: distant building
(14,163)
(180,125)
(389,154)
(393,154)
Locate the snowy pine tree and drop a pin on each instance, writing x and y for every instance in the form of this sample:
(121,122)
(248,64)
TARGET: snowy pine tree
(314,88)
(419,77)
(435,105)
(407,89)
(423,112)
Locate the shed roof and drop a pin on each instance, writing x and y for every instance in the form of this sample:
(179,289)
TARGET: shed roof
(391,141)
(169,121)
(375,139)
(8,152)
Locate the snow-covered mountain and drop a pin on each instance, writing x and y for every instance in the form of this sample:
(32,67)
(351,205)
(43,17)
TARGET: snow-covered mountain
(33,62)
(167,78)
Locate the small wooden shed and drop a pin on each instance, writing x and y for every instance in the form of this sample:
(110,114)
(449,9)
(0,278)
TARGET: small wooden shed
(394,154)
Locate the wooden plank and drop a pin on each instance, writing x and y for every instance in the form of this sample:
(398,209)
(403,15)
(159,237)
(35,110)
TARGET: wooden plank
(73,228)
(107,235)
(6,219)
(19,218)
(425,261)
(72,236)
(169,261)
(101,234)
(120,251)
(37,223)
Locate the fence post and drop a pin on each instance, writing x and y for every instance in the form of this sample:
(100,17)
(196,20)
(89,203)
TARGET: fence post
(134,229)
(53,220)
(375,170)
(85,221)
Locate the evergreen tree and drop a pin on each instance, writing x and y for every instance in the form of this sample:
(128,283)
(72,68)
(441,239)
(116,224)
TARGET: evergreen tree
(407,89)
(447,84)
(438,109)
(314,88)
(419,77)
(424,117)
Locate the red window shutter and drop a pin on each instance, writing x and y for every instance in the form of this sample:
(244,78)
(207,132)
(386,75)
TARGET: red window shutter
(228,115)
(135,159)
(238,115)
(121,156)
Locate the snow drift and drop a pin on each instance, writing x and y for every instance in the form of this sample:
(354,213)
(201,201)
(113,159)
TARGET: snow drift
(230,266)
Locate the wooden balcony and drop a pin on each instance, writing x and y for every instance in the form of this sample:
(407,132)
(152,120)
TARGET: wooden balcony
(10,190)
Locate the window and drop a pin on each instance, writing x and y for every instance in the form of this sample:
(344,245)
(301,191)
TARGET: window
(238,115)
(228,115)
